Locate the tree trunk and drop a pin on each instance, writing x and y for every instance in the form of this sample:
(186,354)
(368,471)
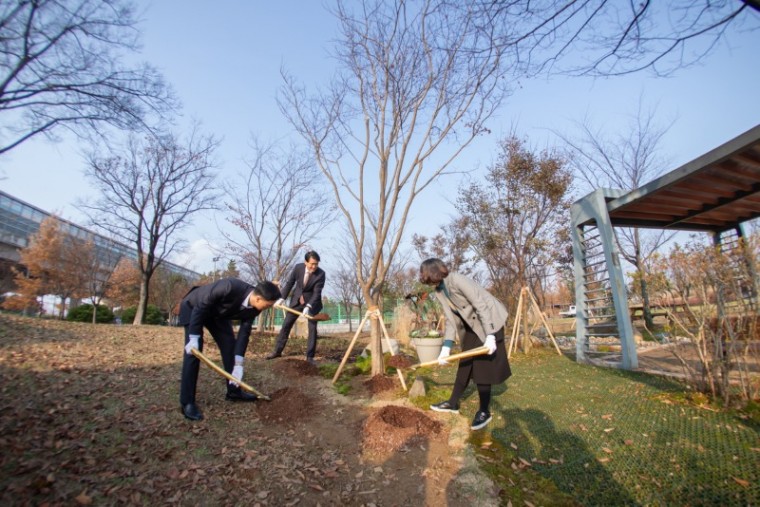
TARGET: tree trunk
(376,335)
(376,347)
(62,311)
(347,307)
(646,307)
(266,320)
(142,303)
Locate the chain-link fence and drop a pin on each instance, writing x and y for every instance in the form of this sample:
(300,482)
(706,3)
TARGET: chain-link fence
(342,320)
(615,437)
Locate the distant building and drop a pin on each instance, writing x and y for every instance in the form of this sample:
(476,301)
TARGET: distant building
(19,220)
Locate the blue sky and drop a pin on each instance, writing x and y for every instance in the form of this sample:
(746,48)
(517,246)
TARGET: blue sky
(224,58)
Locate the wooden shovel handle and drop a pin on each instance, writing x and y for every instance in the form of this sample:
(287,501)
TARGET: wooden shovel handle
(211,364)
(462,355)
(319,316)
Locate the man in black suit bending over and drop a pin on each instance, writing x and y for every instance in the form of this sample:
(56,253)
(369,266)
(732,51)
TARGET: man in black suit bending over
(307,281)
(215,306)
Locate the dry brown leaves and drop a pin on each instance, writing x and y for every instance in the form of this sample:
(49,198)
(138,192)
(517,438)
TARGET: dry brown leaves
(90,415)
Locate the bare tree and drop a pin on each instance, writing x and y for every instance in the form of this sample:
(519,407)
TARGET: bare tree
(419,81)
(97,266)
(625,161)
(604,37)
(452,245)
(703,282)
(65,65)
(169,291)
(277,209)
(343,282)
(149,191)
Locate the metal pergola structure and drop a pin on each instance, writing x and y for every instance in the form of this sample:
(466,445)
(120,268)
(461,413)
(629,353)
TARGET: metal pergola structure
(714,193)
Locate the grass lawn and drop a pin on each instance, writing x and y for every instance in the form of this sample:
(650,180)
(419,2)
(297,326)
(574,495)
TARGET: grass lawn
(571,434)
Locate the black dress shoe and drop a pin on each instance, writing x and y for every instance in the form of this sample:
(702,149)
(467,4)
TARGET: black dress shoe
(273,355)
(240,395)
(481,419)
(192,412)
(445,406)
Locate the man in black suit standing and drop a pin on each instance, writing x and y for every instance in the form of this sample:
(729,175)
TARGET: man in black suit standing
(307,281)
(215,306)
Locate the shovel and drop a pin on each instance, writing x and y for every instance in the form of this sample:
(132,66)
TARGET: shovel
(462,355)
(318,317)
(211,364)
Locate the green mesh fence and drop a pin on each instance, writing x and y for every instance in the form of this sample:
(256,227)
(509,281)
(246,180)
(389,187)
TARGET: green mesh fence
(338,314)
(612,437)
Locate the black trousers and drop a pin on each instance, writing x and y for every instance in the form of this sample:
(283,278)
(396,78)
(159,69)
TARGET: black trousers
(485,370)
(221,331)
(287,325)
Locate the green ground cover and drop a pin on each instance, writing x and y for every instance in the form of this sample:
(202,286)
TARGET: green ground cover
(566,433)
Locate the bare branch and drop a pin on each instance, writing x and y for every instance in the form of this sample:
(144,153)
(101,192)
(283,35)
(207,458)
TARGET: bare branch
(276,211)
(605,38)
(149,191)
(63,65)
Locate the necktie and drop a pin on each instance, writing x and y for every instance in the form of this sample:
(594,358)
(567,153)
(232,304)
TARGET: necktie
(305,281)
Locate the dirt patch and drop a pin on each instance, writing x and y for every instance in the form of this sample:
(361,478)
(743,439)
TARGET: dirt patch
(391,428)
(111,436)
(664,359)
(289,405)
(289,367)
(379,383)
(400,361)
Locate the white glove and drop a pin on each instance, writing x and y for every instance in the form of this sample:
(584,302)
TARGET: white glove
(192,343)
(491,344)
(237,370)
(307,311)
(445,352)
(280,302)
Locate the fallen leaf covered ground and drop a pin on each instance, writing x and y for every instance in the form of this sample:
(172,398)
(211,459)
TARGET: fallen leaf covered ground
(89,415)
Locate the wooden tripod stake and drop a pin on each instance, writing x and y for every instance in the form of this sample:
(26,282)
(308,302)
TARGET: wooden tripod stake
(518,318)
(374,313)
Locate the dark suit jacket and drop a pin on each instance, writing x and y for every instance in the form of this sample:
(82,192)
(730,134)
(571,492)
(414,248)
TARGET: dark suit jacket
(312,293)
(221,300)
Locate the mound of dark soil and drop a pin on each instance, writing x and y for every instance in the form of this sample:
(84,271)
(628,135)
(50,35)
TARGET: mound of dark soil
(298,367)
(392,427)
(379,383)
(400,361)
(288,406)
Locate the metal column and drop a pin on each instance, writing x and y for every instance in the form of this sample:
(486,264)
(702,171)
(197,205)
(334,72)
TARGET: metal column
(595,255)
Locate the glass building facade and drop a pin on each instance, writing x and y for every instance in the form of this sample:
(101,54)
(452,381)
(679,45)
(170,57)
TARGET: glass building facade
(20,220)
